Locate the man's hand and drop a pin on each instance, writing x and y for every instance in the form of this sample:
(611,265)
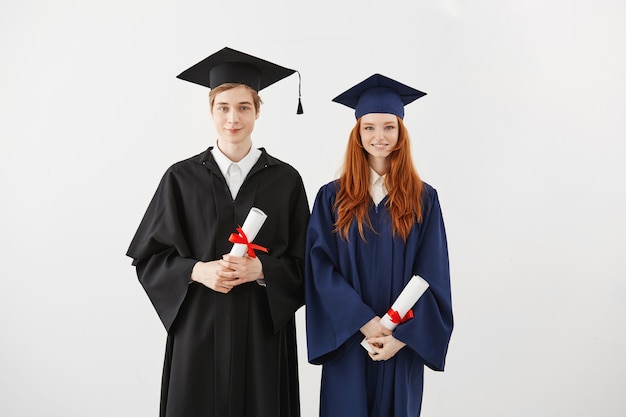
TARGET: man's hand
(237,270)
(210,274)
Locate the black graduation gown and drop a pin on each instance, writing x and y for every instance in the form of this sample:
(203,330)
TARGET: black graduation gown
(227,354)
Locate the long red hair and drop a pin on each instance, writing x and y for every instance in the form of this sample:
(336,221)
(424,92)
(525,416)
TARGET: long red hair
(402,182)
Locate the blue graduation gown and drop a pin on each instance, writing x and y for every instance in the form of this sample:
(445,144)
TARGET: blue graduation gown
(348,283)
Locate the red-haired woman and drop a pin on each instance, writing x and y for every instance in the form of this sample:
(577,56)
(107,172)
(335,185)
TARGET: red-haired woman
(370,232)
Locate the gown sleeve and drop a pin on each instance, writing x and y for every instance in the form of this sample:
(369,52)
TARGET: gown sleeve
(160,252)
(334,309)
(285,274)
(429,332)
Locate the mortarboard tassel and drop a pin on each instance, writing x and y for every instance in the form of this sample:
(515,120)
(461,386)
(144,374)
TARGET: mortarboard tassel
(300,110)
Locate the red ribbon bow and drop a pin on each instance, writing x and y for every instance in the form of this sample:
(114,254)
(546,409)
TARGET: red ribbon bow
(243,239)
(395,316)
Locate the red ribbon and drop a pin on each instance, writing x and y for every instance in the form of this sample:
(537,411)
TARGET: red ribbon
(395,316)
(243,239)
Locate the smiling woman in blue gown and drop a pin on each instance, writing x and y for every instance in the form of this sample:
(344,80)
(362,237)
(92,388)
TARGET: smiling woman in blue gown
(370,232)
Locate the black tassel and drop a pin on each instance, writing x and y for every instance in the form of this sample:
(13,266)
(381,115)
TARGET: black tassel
(300,110)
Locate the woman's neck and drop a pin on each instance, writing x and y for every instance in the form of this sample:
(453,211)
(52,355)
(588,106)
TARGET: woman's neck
(380,165)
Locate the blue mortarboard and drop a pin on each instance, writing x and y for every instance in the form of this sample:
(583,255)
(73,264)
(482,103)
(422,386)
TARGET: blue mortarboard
(378,94)
(230,66)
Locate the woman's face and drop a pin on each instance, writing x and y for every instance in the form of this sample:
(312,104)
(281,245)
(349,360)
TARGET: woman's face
(234,114)
(379,135)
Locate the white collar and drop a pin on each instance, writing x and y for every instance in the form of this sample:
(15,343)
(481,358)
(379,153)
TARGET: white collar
(375,177)
(246,163)
(377,188)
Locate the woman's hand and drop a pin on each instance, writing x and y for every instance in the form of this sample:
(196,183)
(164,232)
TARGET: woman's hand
(373,328)
(385,347)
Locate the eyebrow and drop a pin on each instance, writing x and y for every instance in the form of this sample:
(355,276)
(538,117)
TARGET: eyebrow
(221,103)
(372,124)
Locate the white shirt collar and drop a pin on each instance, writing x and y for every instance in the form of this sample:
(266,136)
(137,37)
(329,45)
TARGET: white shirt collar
(377,189)
(245,164)
(249,160)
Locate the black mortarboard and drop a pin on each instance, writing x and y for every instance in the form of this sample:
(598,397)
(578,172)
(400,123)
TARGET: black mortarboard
(230,66)
(378,94)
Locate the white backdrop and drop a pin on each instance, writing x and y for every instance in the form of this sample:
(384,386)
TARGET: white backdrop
(521,133)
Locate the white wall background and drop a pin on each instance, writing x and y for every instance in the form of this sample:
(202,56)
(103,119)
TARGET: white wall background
(522,133)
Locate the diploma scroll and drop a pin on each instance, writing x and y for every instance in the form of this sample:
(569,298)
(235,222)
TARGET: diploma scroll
(251,226)
(403,304)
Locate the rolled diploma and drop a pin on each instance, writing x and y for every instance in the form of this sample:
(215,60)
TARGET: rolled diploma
(251,227)
(405,301)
